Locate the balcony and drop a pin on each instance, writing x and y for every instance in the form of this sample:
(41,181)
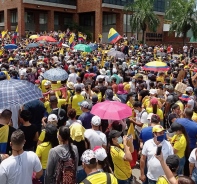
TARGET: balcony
(118,2)
(65,2)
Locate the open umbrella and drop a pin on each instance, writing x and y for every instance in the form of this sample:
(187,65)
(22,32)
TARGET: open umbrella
(17,92)
(33,37)
(93,46)
(32,45)
(113,110)
(83,47)
(46,38)
(42,42)
(56,74)
(10,46)
(116,54)
(156,66)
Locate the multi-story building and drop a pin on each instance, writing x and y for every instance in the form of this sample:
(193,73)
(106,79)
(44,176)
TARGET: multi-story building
(97,16)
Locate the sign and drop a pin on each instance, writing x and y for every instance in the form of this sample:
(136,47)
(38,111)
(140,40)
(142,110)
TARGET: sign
(154,37)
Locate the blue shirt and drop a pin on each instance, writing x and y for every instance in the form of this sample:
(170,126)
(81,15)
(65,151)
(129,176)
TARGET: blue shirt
(191,129)
(86,118)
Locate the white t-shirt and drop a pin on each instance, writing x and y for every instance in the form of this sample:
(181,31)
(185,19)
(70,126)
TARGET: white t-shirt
(154,166)
(22,71)
(185,48)
(81,85)
(192,157)
(94,138)
(141,117)
(19,169)
(72,78)
(107,79)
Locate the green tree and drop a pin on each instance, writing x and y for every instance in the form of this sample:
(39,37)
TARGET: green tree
(184,17)
(143,16)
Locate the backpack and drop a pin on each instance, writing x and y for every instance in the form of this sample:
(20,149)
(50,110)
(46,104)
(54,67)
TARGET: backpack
(65,172)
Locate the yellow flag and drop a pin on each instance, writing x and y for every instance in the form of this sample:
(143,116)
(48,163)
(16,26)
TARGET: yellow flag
(16,29)
(62,51)
(4,33)
(1,52)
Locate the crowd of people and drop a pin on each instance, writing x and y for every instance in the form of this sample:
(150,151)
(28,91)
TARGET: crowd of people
(57,139)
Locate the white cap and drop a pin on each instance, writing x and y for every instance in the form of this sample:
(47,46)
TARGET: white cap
(96,121)
(149,116)
(52,117)
(100,153)
(153,91)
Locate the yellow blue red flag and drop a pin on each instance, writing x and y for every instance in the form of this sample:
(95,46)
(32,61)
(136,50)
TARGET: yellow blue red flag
(4,131)
(113,36)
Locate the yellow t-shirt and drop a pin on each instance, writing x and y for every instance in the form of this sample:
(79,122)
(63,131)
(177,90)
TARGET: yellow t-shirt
(159,112)
(131,106)
(60,103)
(160,79)
(76,99)
(194,117)
(122,168)
(163,180)
(56,86)
(42,86)
(100,178)
(43,151)
(180,144)
(42,136)
(7,75)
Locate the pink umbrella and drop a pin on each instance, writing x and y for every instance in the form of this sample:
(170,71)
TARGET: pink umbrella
(113,110)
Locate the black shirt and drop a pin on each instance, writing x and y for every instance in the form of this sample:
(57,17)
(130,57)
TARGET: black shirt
(144,93)
(61,116)
(30,132)
(11,130)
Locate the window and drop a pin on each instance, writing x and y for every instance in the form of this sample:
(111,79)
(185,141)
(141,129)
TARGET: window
(159,5)
(14,17)
(43,18)
(29,17)
(1,17)
(109,19)
(56,19)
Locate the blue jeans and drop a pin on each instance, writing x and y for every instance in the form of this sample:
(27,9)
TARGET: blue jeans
(81,175)
(181,166)
(128,181)
(42,177)
(194,175)
(151,181)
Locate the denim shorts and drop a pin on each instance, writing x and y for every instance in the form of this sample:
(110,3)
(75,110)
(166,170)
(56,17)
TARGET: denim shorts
(194,175)
(128,181)
(181,166)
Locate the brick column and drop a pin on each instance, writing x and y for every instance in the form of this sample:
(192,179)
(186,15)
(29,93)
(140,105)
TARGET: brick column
(7,20)
(98,24)
(50,20)
(37,25)
(76,18)
(21,20)
(119,23)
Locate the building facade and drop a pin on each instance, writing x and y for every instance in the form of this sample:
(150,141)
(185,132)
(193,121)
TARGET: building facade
(97,16)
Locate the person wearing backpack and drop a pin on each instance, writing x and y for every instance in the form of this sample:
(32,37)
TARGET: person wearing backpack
(62,161)
(89,164)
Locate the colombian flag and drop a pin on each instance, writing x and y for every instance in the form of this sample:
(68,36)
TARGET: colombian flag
(80,36)
(4,33)
(113,36)
(4,131)
(14,36)
(71,40)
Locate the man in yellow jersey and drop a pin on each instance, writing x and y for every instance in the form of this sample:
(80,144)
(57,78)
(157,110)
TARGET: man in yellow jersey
(89,164)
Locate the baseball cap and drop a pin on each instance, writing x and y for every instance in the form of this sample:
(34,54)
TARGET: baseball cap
(172,161)
(114,133)
(77,132)
(174,127)
(52,117)
(189,89)
(184,97)
(152,91)
(84,104)
(154,101)
(96,121)
(100,153)
(88,157)
(157,128)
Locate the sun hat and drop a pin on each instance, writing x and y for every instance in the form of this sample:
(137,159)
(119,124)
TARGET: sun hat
(100,153)
(184,97)
(157,128)
(77,132)
(96,121)
(70,85)
(88,157)
(189,89)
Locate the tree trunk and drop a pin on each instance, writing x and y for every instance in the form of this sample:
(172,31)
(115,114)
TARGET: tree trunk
(143,34)
(184,38)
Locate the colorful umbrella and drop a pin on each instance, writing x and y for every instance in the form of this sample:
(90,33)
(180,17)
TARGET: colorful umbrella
(33,37)
(156,66)
(10,46)
(83,47)
(56,74)
(46,38)
(113,110)
(32,45)
(17,92)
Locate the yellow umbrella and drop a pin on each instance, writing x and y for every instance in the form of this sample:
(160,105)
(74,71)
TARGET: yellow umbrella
(33,37)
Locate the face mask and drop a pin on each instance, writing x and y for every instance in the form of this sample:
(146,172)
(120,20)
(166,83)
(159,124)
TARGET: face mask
(136,111)
(160,138)
(119,140)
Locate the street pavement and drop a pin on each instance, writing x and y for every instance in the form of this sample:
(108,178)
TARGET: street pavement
(136,174)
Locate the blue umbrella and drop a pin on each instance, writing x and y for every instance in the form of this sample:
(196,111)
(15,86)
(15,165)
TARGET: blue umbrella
(17,92)
(32,45)
(10,46)
(93,46)
(56,74)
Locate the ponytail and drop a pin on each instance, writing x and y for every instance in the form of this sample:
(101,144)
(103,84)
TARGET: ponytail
(71,150)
